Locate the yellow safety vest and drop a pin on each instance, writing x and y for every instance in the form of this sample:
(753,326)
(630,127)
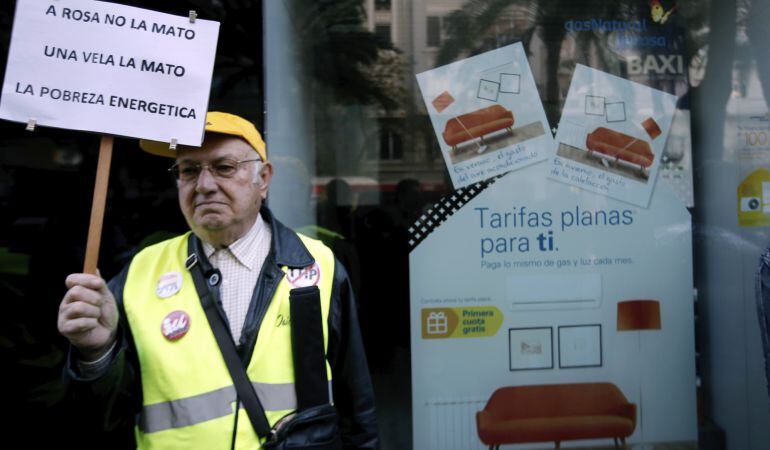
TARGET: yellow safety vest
(188,394)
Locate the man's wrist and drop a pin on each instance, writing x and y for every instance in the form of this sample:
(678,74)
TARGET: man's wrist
(91,355)
(93,369)
(95,357)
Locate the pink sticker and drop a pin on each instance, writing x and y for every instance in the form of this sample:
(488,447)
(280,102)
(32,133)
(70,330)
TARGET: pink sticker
(175,325)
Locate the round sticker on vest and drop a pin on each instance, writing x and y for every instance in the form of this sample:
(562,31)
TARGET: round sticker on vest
(175,325)
(308,276)
(169,284)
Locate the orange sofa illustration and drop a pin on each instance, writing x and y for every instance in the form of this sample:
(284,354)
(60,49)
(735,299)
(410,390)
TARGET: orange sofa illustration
(621,147)
(555,412)
(477,124)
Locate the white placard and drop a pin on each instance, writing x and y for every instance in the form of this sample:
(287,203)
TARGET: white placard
(109,68)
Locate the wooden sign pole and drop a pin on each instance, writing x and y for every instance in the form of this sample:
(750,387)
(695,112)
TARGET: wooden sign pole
(97,208)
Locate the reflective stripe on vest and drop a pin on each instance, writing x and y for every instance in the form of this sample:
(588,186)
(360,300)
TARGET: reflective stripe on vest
(188,396)
(212,405)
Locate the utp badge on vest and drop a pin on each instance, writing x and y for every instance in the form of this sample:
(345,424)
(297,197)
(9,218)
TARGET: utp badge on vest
(304,277)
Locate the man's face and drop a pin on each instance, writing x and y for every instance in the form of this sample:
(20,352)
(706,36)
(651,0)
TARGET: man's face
(220,210)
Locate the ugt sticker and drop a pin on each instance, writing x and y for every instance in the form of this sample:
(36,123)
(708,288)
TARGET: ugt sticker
(308,276)
(175,325)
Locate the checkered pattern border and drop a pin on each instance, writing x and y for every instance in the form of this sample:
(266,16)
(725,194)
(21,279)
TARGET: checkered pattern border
(443,209)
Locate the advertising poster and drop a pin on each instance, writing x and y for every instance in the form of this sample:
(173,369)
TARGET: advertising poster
(512,290)
(611,136)
(487,114)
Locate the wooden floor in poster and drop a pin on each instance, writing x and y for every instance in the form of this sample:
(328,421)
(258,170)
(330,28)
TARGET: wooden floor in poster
(496,142)
(582,156)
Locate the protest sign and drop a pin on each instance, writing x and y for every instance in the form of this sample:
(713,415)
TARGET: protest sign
(109,68)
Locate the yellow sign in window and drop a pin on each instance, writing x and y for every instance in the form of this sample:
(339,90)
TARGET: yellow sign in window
(475,321)
(754,199)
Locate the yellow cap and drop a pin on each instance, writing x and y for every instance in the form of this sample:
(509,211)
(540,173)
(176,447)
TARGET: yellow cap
(216,122)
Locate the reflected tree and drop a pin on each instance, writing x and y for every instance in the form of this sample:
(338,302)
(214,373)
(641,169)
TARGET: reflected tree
(476,28)
(350,70)
(341,51)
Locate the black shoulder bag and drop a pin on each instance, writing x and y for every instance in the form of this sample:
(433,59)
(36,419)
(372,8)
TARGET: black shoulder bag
(315,423)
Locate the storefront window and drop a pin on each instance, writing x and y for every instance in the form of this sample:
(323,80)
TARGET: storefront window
(552,213)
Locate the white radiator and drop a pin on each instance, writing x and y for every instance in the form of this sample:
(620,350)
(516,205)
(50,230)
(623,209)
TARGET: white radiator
(453,424)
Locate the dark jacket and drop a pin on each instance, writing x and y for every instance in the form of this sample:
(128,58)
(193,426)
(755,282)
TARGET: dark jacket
(117,391)
(762,292)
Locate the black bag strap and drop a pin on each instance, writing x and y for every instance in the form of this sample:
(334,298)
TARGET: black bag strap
(307,342)
(206,277)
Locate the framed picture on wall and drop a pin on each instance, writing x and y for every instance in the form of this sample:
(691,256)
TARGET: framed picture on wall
(580,346)
(530,348)
(488,90)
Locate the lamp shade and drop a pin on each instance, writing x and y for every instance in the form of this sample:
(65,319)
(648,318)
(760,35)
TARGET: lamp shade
(638,315)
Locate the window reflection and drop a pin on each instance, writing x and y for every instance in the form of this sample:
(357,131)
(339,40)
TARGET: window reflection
(373,166)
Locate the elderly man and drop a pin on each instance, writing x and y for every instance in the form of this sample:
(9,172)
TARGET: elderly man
(143,345)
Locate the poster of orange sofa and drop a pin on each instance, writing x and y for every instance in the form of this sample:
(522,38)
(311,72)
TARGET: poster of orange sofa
(487,114)
(611,136)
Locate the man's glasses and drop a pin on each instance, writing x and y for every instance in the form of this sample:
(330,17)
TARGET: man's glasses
(188,171)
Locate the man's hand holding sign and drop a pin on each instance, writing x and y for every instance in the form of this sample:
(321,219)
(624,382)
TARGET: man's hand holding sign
(88,316)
